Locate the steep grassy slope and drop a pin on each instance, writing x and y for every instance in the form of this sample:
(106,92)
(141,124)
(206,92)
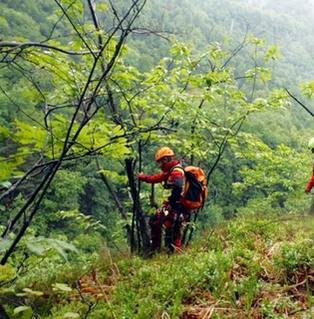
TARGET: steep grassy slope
(248,268)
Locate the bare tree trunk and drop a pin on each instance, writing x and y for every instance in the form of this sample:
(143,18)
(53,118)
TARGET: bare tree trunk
(142,232)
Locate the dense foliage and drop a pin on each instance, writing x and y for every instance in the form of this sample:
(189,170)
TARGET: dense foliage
(88,91)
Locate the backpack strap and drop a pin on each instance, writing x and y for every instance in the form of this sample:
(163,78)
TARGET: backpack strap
(178,168)
(174,168)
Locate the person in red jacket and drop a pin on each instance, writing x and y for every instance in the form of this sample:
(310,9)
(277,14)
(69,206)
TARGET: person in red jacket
(310,184)
(172,213)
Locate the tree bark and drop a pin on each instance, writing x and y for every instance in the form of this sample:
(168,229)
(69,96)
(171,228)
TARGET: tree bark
(142,230)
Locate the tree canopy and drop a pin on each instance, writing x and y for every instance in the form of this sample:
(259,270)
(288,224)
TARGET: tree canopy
(89,90)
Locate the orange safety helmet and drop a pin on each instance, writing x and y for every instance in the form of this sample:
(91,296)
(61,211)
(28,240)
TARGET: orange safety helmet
(163,152)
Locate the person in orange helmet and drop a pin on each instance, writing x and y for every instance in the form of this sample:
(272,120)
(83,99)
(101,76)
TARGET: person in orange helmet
(172,213)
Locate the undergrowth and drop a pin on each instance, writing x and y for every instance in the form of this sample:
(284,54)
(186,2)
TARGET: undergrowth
(246,268)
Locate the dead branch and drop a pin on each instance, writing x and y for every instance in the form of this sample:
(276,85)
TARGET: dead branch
(300,103)
(23,45)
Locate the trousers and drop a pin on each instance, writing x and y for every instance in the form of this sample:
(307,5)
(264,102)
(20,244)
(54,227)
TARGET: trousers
(172,223)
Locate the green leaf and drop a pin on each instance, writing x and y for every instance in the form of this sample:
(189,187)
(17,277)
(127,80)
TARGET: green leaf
(4,132)
(61,287)
(6,185)
(308,89)
(26,309)
(273,53)
(30,135)
(265,74)
(71,315)
(255,41)
(33,292)
(7,272)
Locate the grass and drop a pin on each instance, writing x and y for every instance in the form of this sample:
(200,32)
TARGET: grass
(246,268)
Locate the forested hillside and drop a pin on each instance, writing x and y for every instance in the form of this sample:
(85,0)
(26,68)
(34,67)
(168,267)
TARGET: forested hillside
(288,24)
(89,90)
(285,24)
